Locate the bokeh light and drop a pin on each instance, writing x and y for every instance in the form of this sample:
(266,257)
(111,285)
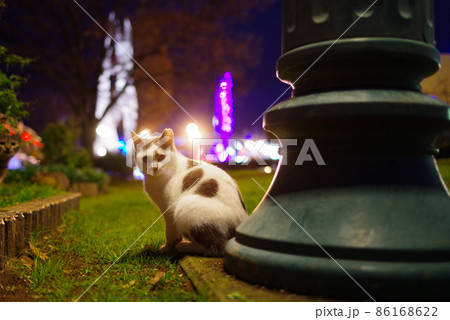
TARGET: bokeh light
(101,151)
(193,131)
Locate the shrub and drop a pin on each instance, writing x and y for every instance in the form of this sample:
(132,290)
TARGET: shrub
(19,176)
(114,164)
(59,146)
(75,175)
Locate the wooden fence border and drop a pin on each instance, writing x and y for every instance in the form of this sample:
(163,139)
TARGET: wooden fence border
(18,221)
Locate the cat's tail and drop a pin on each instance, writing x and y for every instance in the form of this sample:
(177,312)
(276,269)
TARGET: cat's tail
(206,223)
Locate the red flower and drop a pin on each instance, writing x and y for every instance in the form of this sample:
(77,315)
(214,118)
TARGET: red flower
(26,136)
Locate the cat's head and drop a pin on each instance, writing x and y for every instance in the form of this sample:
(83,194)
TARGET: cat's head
(154,154)
(10,142)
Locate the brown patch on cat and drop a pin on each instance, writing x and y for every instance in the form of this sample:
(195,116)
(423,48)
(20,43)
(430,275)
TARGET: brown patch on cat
(159,157)
(231,232)
(166,144)
(191,178)
(167,137)
(209,237)
(208,188)
(191,163)
(145,164)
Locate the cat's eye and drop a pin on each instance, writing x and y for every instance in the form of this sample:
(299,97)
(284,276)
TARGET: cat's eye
(2,143)
(13,144)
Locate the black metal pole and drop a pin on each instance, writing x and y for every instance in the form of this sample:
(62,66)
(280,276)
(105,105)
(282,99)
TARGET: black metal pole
(374,221)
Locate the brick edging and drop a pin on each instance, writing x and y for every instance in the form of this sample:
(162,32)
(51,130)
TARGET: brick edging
(18,221)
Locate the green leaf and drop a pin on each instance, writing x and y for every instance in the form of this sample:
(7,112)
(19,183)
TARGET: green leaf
(10,107)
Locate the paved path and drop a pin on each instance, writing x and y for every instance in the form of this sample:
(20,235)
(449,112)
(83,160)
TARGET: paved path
(213,283)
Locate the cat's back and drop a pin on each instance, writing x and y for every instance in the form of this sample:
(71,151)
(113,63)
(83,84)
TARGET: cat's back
(206,173)
(209,182)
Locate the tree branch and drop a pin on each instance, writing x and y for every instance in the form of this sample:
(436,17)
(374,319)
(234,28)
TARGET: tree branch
(115,98)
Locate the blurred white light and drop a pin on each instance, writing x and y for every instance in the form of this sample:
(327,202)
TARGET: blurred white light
(231,151)
(219,147)
(120,83)
(249,144)
(242,159)
(275,156)
(124,111)
(268,169)
(239,145)
(103,131)
(144,134)
(223,156)
(137,174)
(269,150)
(193,131)
(101,151)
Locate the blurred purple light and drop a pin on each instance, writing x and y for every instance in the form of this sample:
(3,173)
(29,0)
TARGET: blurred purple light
(223,118)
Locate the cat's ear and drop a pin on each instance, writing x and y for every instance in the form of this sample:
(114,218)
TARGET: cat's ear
(167,132)
(168,137)
(136,138)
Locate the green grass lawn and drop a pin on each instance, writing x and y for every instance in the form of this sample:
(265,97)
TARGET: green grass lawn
(13,193)
(92,238)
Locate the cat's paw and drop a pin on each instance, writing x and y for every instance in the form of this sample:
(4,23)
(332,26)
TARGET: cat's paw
(165,249)
(187,247)
(169,246)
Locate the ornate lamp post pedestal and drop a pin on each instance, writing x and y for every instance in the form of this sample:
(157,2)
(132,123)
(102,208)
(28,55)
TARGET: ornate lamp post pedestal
(374,221)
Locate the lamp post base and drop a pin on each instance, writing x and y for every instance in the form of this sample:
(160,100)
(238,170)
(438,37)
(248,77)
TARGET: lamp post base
(374,221)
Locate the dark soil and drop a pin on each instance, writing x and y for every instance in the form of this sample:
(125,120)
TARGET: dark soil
(13,288)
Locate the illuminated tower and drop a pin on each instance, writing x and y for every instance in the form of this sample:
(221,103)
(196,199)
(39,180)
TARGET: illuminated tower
(121,118)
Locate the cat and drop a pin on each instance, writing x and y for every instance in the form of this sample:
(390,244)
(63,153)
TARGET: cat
(9,145)
(200,201)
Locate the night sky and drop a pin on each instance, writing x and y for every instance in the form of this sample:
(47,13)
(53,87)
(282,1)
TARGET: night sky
(268,88)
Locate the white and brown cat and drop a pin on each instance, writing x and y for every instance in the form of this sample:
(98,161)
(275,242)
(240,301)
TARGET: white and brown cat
(200,202)
(9,145)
